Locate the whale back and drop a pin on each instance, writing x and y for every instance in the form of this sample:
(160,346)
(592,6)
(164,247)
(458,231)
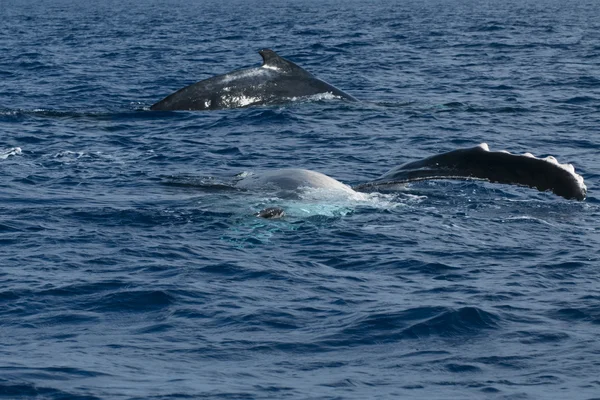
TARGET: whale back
(291,179)
(276,81)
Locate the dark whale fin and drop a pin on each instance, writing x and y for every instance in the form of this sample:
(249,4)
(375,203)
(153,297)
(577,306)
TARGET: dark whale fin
(275,61)
(271,213)
(498,167)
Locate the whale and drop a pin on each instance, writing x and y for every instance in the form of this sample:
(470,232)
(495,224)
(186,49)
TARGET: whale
(276,81)
(474,163)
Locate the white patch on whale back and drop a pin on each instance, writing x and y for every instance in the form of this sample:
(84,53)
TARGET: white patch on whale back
(552,160)
(484,146)
(271,67)
(316,97)
(4,154)
(243,101)
(240,101)
(569,167)
(243,74)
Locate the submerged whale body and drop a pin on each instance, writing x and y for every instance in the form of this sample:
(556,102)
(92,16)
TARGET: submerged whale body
(276,81)
(290,180)
(544,174)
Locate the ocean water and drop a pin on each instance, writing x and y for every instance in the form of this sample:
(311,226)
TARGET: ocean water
(128,270)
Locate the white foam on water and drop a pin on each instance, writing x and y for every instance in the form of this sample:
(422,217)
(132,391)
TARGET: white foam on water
(69,154)
(331,203)
(14,151)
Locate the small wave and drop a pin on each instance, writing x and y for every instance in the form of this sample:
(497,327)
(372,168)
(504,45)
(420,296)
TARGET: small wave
(534,337)
(488,27)
(581,100)
(430,268)
(134,217)
(135,301)
(454,104)
(435,321)
(462,368)
(134,113)
(260,116)
(205,184)
(84,157)
(29,390)
(584,314)
(229,151)
(71,318)
(502,87)
(528,218)
(154,329)
(464,321)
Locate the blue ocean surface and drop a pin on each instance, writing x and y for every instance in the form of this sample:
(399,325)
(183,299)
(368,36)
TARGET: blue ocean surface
(129,270)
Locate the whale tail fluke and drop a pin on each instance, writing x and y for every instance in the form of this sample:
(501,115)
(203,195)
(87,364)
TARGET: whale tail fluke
(494,166)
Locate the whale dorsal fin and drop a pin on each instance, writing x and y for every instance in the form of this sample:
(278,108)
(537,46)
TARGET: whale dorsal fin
(274,61)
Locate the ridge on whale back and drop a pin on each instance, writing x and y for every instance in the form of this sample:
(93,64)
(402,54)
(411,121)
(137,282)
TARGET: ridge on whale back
(276,81)
(479,163)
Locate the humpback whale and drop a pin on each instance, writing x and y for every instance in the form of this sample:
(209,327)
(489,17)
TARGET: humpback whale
(276,81)
(478,163)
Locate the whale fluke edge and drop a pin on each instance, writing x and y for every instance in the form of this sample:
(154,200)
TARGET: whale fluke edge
(479,162)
